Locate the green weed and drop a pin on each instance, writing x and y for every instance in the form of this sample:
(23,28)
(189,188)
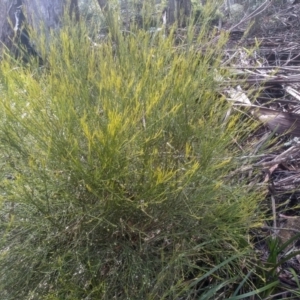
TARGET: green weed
(113,164)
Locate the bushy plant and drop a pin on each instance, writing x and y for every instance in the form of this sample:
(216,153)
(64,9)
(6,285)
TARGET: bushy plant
(113,164)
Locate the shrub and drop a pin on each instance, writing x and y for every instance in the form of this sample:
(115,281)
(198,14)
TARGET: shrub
(113,182)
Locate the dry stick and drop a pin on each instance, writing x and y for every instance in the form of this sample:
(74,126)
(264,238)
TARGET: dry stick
(293,92)
(271,163)
(282,228)
(255,13)
(274,216)
(278,79)
(286,153)
(263,165)
(290,68)
(279,158)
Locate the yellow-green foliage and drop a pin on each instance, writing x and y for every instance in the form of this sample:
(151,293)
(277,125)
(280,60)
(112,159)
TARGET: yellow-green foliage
(118,153)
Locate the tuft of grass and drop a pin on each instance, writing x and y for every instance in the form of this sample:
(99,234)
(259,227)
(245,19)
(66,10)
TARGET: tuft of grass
(113,174)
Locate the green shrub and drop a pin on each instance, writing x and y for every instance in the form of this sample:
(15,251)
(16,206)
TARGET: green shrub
(113,182)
